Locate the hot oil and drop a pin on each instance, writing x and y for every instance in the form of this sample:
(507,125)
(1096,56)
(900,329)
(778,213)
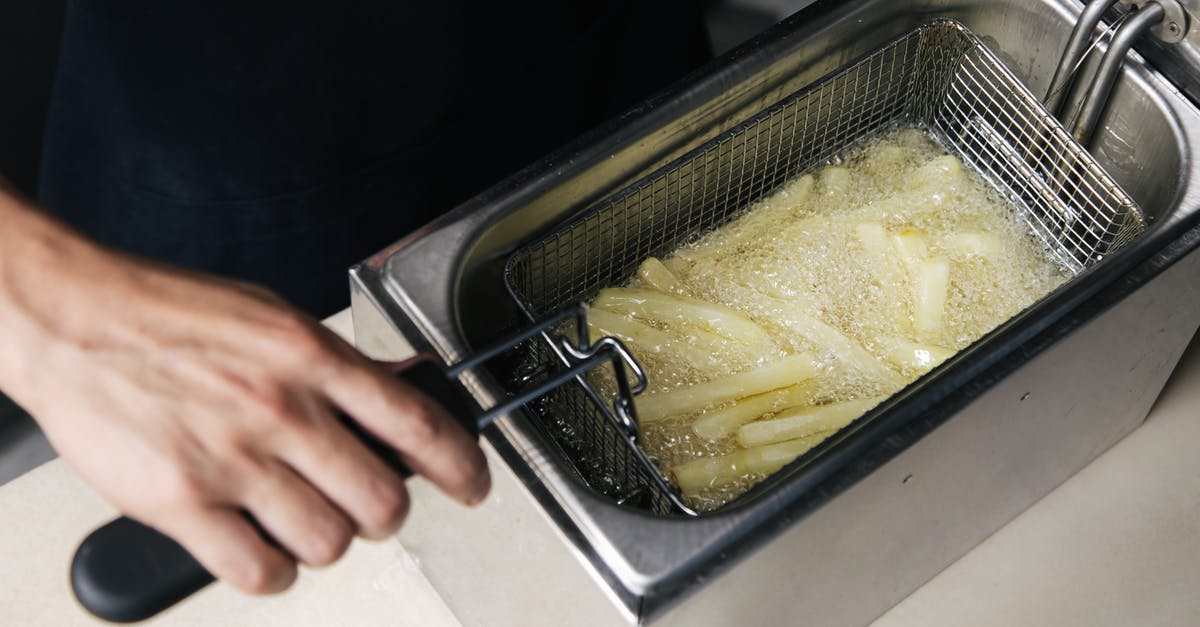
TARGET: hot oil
(804,251)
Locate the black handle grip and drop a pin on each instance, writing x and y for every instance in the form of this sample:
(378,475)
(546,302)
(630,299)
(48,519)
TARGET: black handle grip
(126,572)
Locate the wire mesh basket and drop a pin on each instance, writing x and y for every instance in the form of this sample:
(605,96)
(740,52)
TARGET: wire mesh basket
(939,77)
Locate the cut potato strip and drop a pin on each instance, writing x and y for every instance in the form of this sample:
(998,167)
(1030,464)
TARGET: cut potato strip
(643,338)
(759,219)
(803,422)
(835,180)
(913,356)
(676,265)
(912,250)
(721,423)
(686,400)
(872,238)
(712,472)
(794,316)
(673,309)
(937,174)
(974,244)
(845,349)
(910,247)
(932,284)
(654,275)
(882,163)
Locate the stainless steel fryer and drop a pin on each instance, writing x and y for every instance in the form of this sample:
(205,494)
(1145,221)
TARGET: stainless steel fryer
(879,511)
(939,77)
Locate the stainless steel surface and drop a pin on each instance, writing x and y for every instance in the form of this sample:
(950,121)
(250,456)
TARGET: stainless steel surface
(871,538)
(1077,46)
(1180,61)
(1173,27)
(1138,24)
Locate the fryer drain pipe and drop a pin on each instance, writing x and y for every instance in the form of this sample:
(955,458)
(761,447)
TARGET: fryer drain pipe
(1077,46)
(1147,17)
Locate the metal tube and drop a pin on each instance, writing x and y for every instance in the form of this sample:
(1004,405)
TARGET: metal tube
(1110,66)
(1077,46)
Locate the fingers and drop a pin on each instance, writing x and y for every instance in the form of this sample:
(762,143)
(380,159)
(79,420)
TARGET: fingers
(429,440)
(226,544)
(345,471)
(297,516)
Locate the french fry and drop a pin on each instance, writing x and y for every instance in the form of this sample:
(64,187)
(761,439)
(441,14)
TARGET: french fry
(910,247)
(873,241)
(932,284)
(974,244)
(652,407)
(720,423)
(798,190)
(871,237)
(712,472)
(675,310)
(882,162)
(912,356)
(677,265)
(803,422)
(654,275)
(845,349)
(793,315)
(748,226)
(643,338)
(937,173)
(835,180)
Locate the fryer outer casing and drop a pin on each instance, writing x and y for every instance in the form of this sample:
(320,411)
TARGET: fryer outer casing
(843,541)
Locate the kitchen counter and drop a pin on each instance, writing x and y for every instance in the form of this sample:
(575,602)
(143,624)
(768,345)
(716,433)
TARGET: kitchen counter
(1117,544)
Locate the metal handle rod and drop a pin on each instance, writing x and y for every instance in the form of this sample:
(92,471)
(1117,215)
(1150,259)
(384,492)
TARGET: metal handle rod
(1110,67)
(1077,46)
(541,389)
(503,344)
(585,357)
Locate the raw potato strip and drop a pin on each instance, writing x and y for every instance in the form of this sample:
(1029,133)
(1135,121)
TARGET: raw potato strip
(803,422)
(910,247)
(933,281)
(835,180)
(686,400)
(845,349)
(642,337)
(721,423)
(913,356)
(711,472)
(913,252)
(678,310)
(873,239)
(757,219)
(938,173)
(974,244)
(654,275)
(791,315)
(705,341)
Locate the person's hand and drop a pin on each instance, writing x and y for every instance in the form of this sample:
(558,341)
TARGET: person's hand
(187,400)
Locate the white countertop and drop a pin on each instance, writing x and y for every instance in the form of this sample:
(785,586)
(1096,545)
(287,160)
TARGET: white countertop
(1117,544)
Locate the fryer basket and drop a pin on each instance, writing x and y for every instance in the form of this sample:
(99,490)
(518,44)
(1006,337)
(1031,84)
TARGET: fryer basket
(939,77)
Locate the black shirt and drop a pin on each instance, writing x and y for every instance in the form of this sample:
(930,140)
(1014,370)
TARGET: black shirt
(280,142)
